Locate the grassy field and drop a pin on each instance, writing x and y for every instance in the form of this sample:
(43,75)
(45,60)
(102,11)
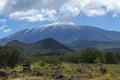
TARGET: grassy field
(66,71)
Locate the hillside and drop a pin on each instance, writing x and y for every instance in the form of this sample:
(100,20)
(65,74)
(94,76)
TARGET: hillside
(46,46)
(102,45)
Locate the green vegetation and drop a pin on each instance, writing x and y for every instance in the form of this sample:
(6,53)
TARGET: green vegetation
(111,58)
(47,46)
(88,64)
(10,57)
(68,71)
(91,55)
(53,60)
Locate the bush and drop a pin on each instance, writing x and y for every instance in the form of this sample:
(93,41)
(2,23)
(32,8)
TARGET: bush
(50,60)
(10,57)
(111,58)
(41,63)
(72,57)
(89,55)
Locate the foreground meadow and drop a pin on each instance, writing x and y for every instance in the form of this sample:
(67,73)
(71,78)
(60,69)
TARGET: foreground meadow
(66,71)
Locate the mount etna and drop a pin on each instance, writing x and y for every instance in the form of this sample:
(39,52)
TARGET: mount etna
(73,35)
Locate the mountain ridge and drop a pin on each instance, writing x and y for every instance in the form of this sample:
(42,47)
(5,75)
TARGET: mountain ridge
(64,33)
(46,46)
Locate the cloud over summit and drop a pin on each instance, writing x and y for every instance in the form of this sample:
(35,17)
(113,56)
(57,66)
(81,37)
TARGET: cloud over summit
(52,10)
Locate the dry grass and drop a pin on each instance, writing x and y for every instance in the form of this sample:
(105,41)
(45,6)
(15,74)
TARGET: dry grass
(70,72)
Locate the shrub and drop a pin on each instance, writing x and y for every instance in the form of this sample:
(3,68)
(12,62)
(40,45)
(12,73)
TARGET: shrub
(10,57)
(42,63)
(89,55)
(111,58)
(50,60)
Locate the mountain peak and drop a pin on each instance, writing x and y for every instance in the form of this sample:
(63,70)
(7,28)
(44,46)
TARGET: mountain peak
(56,26)
(15,42)
(64,33)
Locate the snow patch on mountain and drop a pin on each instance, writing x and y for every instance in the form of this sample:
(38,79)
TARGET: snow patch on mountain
(54,26)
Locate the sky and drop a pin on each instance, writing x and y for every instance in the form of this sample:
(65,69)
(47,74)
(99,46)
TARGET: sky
(16,15)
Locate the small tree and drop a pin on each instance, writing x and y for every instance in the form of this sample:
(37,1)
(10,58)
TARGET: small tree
(89,55)
(111,58)
(9,57)
(72,57)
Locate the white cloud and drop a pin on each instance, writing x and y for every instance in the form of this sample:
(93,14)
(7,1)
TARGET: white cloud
(24,5)
(2,4)
(34,15)
(69,11)
(42,10)
(5,29)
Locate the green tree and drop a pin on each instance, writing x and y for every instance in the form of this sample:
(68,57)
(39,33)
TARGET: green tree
(111,58)
(9,57)
(72,57)
(89,55)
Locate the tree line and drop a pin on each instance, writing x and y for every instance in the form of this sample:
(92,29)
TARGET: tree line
(92,55)
(10,57)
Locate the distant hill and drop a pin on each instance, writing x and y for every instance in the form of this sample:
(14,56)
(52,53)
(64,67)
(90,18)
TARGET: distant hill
(102,45)
(46,46)
(111,49)
(64,33)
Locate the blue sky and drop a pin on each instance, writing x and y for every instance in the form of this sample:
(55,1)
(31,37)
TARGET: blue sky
(16,15)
